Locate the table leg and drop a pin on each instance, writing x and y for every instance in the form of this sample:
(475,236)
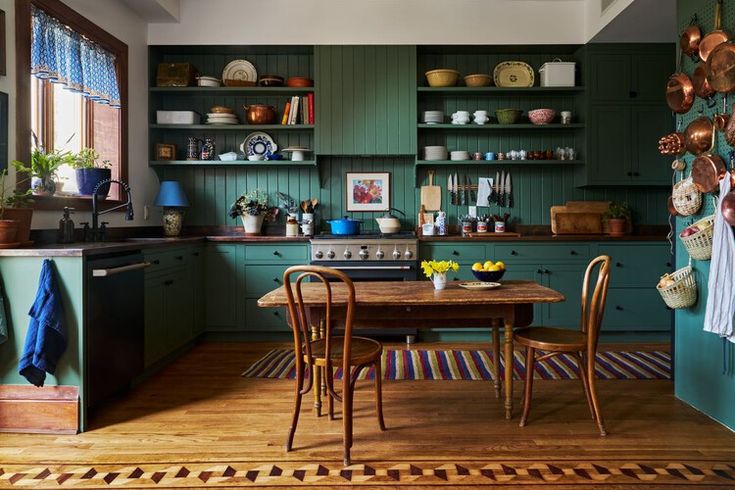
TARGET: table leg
(508,357)
(316,374)
(496,358)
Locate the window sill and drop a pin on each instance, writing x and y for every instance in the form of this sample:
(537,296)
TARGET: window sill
(79,203)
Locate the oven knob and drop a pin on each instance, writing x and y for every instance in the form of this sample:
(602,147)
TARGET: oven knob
(380,254)
(330,254)
(396,254)
(348,254)
(408,254)
(364,253)
(318,254)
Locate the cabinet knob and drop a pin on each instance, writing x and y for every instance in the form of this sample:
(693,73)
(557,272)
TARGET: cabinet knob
(618,264)
(275,313)
(636,174)
(454,252)
(196,254)
(572,252)
(168,283)
(539,271)
(276,253)
(668,264)
(633,94)
(275,279)
(629,174)
(455,279)
(179,257)
(547,271)
(513,252)
(156,262)
(619,308)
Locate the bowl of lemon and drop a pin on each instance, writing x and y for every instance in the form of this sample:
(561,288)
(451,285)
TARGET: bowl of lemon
(489,271)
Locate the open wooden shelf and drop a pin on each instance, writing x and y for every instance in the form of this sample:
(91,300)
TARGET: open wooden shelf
(235,127)
(449,163)
(234,90)
(500,127)
(499,90)
(236,163)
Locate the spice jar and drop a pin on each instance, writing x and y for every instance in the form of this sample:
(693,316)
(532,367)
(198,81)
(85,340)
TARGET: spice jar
(292,227)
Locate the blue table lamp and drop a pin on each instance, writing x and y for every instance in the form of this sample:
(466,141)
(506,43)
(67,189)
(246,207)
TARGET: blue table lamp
(172,199)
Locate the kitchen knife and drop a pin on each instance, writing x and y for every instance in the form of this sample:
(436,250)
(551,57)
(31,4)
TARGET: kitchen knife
(449,188)
(508,190)
(467,189)
(455,184)
(463,195)
(496,189)
(501,190)
(473,197)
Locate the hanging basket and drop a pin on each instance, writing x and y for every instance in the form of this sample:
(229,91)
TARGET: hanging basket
(686,197)
(682,292)
(699,245)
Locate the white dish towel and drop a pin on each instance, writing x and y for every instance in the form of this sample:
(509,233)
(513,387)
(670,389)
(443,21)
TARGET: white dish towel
(718,316)
(484,186)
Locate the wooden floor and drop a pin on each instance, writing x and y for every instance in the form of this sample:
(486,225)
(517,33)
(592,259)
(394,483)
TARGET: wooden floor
(199,423)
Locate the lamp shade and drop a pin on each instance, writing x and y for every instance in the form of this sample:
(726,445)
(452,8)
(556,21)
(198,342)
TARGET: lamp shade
(171,195)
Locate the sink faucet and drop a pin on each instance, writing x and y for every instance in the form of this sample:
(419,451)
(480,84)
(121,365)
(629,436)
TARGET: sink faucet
(97,233)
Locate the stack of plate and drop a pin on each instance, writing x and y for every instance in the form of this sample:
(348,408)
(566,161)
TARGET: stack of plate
(460,155)
(221,118)
(433,117)
(435,153)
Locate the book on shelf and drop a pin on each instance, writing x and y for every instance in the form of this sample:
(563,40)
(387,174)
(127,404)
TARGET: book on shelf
(286,112)
(295,109)
(310,105)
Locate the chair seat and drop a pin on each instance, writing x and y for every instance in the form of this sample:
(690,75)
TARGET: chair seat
(549,338)
(363,351)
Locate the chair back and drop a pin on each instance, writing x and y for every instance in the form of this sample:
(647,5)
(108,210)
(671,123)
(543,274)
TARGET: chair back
(300,322)
(593,307)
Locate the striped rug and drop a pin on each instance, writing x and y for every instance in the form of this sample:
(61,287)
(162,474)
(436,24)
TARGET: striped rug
(478,365)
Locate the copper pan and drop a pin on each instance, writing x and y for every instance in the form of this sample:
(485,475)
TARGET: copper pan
(708,170)
(702,88)
(699,136)
(727,204)
(680,93)
(690,38)
(714,38)
(720,68)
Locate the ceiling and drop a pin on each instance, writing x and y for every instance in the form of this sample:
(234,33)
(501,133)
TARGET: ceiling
(642,21)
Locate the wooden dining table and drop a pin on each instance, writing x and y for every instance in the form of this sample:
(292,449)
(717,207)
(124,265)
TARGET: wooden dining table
(416,304)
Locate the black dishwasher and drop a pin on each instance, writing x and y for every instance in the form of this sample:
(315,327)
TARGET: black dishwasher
(115,323)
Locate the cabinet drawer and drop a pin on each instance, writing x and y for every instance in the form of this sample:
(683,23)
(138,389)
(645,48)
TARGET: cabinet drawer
(458,252)
(269,319)
(260,279)
(277,253)
(540,253)
(162,260)
(637,265)
(635,309)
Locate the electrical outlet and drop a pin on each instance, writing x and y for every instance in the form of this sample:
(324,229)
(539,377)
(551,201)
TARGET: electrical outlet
(146,212)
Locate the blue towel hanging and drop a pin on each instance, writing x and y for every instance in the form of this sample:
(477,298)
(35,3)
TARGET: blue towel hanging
(46,336)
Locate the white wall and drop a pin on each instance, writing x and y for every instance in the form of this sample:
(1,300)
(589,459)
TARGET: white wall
(374,22)
(117,19)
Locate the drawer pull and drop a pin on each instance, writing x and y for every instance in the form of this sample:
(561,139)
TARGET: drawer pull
(455,279)
(275,279)
(513,252)
(196,254)
(547,271)
(156,262)
(276,253)
(275,313)
(539,271)
(454,252)
(619,308)
(618,264)
(179,257)
(168,283)
(630,174)
(572,252)
(668,264)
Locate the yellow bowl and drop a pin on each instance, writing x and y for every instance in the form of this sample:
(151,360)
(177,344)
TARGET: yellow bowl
(477,80)
(442,77)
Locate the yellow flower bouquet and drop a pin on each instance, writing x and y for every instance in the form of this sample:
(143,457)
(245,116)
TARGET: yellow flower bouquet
(437,270)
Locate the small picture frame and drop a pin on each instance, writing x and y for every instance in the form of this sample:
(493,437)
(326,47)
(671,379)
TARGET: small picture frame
(367,191)
(164,151)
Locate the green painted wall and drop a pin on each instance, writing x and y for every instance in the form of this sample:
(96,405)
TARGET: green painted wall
(699,363)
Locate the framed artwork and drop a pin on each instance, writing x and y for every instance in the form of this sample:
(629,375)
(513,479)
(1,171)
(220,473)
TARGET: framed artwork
(367,191)
(165,151)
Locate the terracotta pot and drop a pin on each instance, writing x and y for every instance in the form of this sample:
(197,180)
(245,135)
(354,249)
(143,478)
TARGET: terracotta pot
(617,226)
(23,216)
(8,230)
(260,114)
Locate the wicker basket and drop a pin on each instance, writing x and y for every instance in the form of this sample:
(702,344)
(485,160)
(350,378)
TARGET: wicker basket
(683,292)
(699,245)
(686,197)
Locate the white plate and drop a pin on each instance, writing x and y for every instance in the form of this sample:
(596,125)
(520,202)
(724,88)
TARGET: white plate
(240,70)
(479,286)
(258,143)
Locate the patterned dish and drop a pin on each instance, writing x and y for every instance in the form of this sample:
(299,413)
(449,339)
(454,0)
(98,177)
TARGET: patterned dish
(258,143)
(239,72)
(541,116)
(479,286)
(513,74)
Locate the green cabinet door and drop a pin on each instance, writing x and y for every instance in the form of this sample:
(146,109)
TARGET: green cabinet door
(155,337)
(648,124)
(566,279)
(179,306)
(366,100)
(610,76)
(526,272)
(650,69)
(224,271)
(610,145)
(197,282)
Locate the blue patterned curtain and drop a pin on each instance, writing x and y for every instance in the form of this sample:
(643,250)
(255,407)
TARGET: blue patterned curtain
(63,56)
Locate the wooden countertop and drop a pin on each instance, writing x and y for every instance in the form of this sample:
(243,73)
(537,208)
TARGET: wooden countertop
(547,238)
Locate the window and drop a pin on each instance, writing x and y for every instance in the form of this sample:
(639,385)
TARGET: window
(70,108)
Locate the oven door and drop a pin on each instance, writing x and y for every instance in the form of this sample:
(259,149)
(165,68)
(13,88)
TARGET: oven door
(375,271)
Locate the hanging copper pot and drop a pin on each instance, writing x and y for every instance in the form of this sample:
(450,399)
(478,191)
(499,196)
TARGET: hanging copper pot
(690,38)
(708,170)
(714,38)
(680,93)
(720,68)
(702,88)
(699,136)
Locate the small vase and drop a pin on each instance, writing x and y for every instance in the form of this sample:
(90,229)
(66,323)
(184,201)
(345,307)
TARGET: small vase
(8,230)
(173,219)
(252,224)
(617,226)
(439,280)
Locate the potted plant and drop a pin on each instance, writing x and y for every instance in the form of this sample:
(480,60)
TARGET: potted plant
(617,217)
(90,171)
(251,207)
(43,169)
(437,271)
(10,223)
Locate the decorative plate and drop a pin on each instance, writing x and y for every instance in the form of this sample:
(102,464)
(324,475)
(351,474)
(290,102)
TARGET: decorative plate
(479,286)
(241,70)
(513,74)
(258,143)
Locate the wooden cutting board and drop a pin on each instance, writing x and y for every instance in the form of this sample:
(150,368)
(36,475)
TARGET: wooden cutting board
(579,218)
(431,195)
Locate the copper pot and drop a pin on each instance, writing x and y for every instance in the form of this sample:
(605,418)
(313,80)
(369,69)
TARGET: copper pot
(720,68)
(260,114)
(680,93)
(699,136)
(690,38)
(702,86)
(714,38)
(727,206)
(708,170)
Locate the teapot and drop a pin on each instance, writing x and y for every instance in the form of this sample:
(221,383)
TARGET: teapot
(389,223)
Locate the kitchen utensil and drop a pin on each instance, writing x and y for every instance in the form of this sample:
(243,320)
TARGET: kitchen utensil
(699,136)
(462,195)
(345,226)
(455,183)
(489,276)
(230,156)
(720,120)
(501,189)
(680,93)
(435,153)
(479,285)
(541,116)
(442,77)
(690,38)
(686,197)
(299,82)
(258,143)
(270,81)
(496,189)
(720,68)
(389,223)
(431,195)
(702,88)
(260,114)
(713,38)
(477,80)
(708,170)
(315,203)
(672,144)
(472,196)
(239,73)
(508,116)
(467,194)
(508,190)
(449,188)
(513,74)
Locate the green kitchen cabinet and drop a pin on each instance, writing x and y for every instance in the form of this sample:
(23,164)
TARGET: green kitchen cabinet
(224,280)
(567,279)
(648,123)
(198,289)
(366,100)
(155,321)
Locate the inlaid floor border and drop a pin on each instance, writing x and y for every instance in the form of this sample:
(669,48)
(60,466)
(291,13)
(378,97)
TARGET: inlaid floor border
(436,473)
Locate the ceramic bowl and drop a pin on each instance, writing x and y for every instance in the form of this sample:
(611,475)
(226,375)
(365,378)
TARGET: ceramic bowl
(220,109)
(205,81)
(541,116)
(477,80)
(299,82)
(459,155)
(230,156)
(489,276)
(270,81)
(442,77)
(508,116)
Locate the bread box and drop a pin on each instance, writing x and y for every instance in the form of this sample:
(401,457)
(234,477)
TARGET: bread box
(175,75)
(557,73)
(177,117)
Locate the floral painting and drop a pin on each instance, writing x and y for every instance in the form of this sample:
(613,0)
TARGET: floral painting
(368,191)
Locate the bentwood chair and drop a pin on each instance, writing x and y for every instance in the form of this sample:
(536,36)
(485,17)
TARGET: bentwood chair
(582,343)
(352,354)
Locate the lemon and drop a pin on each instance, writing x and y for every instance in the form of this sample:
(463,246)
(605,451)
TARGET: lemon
(487,264)
(477,266)
(493,268)
(500,264)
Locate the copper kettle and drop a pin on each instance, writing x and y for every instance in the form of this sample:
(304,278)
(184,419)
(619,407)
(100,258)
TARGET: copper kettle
(260,114)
